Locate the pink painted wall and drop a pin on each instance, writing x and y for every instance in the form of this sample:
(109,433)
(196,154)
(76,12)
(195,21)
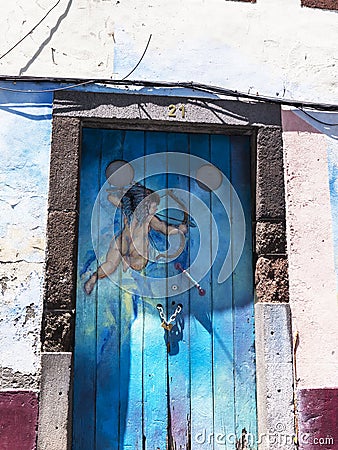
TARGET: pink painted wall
(18,420)
(318,419)
(311,165)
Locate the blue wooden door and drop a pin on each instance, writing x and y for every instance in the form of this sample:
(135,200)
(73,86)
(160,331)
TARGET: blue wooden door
(142,381)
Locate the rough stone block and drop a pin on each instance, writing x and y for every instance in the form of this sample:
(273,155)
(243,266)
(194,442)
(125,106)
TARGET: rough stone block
(271,279)
(322,4)
(58,331)
(64,164)
(270,238)
(18,420)
(270,201)
(54,399)
(61,260)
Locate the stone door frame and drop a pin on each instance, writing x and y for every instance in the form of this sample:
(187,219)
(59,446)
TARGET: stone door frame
(262,121)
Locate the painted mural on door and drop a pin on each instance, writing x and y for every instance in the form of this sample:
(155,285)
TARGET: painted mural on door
(164,344)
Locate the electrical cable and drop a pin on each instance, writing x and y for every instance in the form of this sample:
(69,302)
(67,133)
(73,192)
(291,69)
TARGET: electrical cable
(190,85)
(31,31)
(164,84)
(139,62)
(42,91)
(32,91)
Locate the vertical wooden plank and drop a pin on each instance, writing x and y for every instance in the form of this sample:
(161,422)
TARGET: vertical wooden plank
(223,380)
(179,355)
(155,351)
(132,319)
(245,384)
(85,322)
(108,310)
(201,311)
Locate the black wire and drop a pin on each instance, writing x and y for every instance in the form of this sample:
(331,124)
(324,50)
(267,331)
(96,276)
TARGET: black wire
(31,31)
(318,120)
(191,85)
(166,84)
(41,91)
(32,91)
(139,62)
(298,104)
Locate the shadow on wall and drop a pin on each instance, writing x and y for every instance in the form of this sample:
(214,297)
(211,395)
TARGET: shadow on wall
(314,122)
(46,41)
(28,115)
(29,105)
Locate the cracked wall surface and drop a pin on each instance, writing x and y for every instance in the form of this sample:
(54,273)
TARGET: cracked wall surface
(269,47)
(25,136)
(25,147)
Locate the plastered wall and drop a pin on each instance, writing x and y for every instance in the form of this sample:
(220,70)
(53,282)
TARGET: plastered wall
(271,47)
(310,172)
(313,290)
(310,159)
(25,141)
(25,146)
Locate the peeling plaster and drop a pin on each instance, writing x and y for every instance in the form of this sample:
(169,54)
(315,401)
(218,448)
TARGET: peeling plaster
(9,379)
(25,146)
(268,47)
(21,317)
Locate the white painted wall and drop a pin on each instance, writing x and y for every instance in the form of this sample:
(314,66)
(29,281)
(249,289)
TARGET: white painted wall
(273,47)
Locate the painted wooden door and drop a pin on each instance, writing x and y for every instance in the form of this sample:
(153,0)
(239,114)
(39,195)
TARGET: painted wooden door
(138,385)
